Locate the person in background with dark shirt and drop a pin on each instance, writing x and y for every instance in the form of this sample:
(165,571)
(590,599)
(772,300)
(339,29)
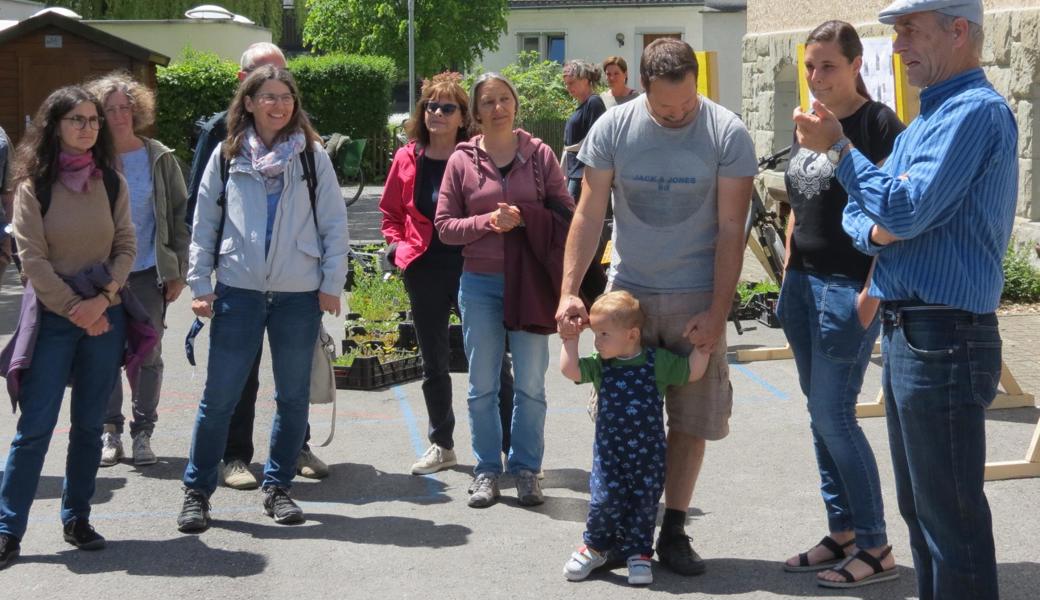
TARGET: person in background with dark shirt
(430,268)
(239,451)
(581,78)
(830,322)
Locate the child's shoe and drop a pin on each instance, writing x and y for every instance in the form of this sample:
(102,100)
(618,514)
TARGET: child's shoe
(639,571)
(583,562)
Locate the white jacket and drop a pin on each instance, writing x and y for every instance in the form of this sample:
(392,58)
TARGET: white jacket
(302,258)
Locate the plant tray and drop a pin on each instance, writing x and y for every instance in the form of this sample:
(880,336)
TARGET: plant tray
(368,373)
(764,307)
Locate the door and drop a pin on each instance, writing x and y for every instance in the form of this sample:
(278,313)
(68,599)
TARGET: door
(650,37)
(41,74)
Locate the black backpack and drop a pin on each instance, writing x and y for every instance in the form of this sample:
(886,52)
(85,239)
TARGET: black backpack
(309,173)
(108,176)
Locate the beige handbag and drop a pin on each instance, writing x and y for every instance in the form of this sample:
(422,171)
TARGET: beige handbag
(323,379)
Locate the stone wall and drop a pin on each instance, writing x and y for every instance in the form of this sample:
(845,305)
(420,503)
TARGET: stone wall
(1011,59)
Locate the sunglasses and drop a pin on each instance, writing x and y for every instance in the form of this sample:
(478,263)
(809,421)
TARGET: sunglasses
(447,109)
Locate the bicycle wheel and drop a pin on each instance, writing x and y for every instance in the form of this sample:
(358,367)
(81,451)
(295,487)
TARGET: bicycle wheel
(353,188)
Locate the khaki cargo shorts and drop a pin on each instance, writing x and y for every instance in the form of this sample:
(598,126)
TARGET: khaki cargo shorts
(701,408)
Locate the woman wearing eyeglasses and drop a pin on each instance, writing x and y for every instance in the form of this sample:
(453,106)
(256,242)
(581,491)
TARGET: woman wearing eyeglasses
(158,199)
(76,243)
(280,258)
(430,268)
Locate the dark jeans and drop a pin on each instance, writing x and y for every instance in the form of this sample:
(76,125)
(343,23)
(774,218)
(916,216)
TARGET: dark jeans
(941,369)
(63,352)
(433,292)
(240,432)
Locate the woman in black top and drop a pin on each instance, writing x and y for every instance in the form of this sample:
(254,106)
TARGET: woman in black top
(830,322)
(581,78)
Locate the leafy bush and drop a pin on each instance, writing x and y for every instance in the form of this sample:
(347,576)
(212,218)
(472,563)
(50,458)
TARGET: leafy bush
(377,296)
(345,93)
(198,86)
(1021,278)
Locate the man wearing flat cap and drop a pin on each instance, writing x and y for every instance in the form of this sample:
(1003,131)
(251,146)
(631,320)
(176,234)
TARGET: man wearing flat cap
(938,215)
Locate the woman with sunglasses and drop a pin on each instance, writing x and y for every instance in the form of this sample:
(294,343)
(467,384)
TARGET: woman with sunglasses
(830,321)
(158,200)
(430,268)
(74,235)
(495,201)
(280,258)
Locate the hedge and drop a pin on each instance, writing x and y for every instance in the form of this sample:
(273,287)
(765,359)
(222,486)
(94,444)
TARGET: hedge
(343,93)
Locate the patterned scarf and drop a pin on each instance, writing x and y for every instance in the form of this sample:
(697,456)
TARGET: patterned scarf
(76,170)
(270,164)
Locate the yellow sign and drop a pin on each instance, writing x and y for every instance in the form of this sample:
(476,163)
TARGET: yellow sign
(884,74)
(708,74)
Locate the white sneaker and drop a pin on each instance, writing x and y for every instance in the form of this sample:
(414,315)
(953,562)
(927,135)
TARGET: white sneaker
(310,466)
(142,448)
(435,459)
(583,562)
(639,570)
(238,476)
(111,447)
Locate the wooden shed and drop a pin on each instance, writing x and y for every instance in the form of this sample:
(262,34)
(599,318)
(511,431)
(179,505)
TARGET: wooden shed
(41,54)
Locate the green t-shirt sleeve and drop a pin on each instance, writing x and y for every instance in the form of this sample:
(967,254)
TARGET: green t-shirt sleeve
(591,369)
(670,369)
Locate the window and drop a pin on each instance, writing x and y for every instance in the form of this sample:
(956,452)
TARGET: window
(549,46)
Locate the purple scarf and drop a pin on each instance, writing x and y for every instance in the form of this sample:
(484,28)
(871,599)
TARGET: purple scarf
(76,170)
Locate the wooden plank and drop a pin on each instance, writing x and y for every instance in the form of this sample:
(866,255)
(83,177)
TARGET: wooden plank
(1012,469)
(756,354)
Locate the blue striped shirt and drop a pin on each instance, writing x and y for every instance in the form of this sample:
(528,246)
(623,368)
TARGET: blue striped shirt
(948,191)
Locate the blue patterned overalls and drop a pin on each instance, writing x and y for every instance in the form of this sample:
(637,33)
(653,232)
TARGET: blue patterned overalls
(628,460)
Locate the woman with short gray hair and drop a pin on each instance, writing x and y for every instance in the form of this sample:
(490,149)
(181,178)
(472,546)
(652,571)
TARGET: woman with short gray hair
(581,78)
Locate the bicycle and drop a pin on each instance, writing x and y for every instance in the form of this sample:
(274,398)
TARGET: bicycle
(767,244)
(346,154)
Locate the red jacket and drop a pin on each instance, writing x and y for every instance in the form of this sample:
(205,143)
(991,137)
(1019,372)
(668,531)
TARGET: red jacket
(403,224)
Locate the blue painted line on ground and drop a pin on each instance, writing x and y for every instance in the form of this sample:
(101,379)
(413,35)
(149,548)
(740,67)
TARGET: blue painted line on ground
(418,444)
(778,393)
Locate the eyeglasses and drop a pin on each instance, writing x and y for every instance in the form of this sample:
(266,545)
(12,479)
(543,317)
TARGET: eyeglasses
(122,109)
(447,109)
(79,122)
(271,99)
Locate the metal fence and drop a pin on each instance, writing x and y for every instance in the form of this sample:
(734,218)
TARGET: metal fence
(549,131)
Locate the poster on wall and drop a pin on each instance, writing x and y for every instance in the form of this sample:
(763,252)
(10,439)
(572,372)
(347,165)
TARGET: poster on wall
(878,70)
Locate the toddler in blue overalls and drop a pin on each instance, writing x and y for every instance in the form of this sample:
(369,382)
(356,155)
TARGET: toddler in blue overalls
(628,459)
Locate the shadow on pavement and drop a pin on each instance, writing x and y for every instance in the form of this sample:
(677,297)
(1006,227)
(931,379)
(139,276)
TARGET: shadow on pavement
(1014,415)
(168,467)
(50,488)
(353,483)
(186,556)
(384,531)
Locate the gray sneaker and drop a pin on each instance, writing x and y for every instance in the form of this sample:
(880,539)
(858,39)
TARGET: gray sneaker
(310,466)
(528,490)
(238,476)
(111,447)
(484,490)
(142,447)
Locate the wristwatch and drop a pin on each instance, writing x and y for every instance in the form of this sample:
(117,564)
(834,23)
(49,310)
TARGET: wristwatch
(834,154)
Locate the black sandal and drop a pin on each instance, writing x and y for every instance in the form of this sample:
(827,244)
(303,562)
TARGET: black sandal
(880,573)
(837,555)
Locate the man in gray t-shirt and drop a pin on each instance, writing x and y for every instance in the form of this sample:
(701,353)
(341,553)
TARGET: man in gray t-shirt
(680,167)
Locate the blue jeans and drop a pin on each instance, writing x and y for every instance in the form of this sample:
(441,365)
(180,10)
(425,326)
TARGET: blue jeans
(239,320)
(63,352)
(941,369)
(831,350)
(484,337)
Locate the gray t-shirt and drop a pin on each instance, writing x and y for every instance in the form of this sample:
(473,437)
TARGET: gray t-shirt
(665,186)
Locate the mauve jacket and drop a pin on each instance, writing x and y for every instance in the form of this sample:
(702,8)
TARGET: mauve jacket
(472,188)
(403,224)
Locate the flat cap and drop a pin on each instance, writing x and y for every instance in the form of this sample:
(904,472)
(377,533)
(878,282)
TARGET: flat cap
(969,9)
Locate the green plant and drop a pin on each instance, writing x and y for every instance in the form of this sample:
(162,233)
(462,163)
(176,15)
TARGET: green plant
(377,296)
(1021,278)
(345,93)
(198,86)
(749,289)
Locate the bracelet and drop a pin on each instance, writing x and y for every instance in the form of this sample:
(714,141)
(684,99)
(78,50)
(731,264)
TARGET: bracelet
(110,296)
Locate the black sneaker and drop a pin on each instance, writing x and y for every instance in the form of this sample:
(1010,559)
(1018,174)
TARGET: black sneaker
(676,553)
(194,517)
(80,534)
(10,548)
(279,506)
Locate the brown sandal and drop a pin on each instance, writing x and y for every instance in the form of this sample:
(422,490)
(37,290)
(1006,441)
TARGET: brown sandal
(880,573)
(837,555)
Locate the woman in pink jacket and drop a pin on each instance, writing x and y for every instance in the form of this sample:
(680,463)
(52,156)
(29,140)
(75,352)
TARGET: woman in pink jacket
(490,183)
(430,268)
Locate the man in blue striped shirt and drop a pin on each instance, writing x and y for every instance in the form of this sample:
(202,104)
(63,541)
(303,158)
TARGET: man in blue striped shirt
(938,215)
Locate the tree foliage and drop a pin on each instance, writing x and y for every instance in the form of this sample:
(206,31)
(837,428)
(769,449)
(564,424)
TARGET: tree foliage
(266,13)
(448,33)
